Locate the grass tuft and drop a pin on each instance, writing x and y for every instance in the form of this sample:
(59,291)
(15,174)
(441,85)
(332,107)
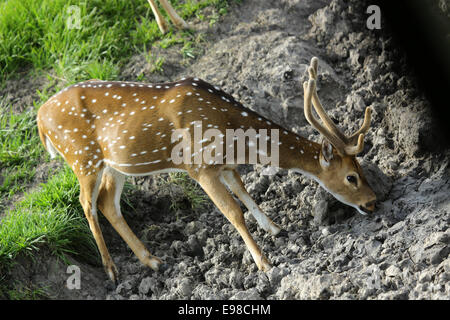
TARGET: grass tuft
(81,40)
(20,150)
(192,192)
(51,216)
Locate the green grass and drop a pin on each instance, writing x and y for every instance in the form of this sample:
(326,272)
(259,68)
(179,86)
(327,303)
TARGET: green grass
(17,132)
(156,64)
(19,291)
(192,192)
(92,41)
(51,216)
(20,150)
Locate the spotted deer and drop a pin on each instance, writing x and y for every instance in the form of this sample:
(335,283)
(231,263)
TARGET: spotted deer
(108,130)
(162,24)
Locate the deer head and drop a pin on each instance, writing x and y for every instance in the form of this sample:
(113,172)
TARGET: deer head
(340,173)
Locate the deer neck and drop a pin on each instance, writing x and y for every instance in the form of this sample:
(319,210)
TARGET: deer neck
(299,154)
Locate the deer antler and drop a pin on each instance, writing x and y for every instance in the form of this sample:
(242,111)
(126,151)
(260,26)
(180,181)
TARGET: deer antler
(345,145)
(310,87)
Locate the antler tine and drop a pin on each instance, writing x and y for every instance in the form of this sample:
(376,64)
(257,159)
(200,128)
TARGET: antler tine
(326,119)
(314,64)
(339,140)
(312,73)
(312,70)
(358,148)
(309,89)
(364,128)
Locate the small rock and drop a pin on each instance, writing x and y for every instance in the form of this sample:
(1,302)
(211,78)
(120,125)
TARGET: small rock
(236,279)
(247,258)
(250,294)
(146,285)
(259,186)
(184,288)
(397,227)
(133,268)
(204,292)
(373,247)
(392,271)
(325,231)
(356,101)
(366,292)
(124,288)
(263,284)
(424,277)
(275,274)
(320,212)
(394,295)
(192,227)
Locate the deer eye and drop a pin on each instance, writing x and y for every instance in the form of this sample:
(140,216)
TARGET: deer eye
(352,179)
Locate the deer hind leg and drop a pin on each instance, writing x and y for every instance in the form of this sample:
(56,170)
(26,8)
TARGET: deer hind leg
(162,24)
(176,19)
(229,207)
(234,182)
(109,204)
(89,189)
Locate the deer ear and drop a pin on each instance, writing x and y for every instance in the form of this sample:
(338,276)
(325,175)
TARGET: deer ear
(327,151)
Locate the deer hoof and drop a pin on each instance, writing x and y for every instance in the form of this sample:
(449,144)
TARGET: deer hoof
(111,271)
(264,264)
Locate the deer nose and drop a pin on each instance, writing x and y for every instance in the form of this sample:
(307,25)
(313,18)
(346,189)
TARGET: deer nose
(370,205)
